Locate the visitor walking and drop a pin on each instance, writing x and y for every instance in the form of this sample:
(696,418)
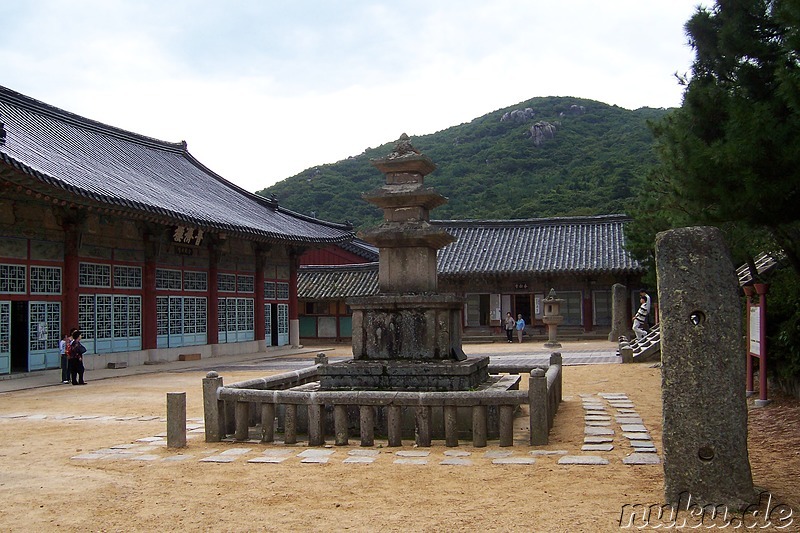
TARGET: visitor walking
(640,319)
(62,349)
(510,325)
(75,355)
(520,327)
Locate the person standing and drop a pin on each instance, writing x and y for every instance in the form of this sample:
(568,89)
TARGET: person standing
(520,327)
(75,356)
(510,325)
(62,348)
(640,319)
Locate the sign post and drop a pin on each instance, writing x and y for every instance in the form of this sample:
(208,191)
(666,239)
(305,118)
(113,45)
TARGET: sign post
(757,340)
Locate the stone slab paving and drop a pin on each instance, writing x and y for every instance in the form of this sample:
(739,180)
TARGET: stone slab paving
(315,459)
(513,461)
(410,461)
(456,461)
(582,460)
(642,444)
(359,460)
(364,453)
(146,457)
(589,430)
(268,459)
(597,447)
(629,420)
(549,452)
(597,439)
(642,459)
(218,459)
(498,454)
(637,435)
(598,423)
(413,453)
(315,452)
(456,453)
(632,428)
(177,458)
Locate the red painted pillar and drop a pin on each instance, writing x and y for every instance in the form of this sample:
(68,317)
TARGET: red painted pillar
(149,305)
(69,314)
(294,321)
(212,331)
(258,312)
(761,290)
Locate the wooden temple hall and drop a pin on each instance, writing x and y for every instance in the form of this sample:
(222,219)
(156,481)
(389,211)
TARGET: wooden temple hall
(497,267)
(135,242)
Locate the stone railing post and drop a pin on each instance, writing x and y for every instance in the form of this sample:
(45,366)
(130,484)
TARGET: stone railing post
(537,401)
(316,435)
(394,425)
(450,414)
(341,433)
(479,426)
(242,421)
(557,360)
(213,408)
(267,422)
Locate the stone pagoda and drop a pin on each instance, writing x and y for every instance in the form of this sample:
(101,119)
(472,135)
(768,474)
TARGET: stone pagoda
(408,337)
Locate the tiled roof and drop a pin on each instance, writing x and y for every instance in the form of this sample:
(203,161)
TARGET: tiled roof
(565,245)
(361,249)
(337,282)
(128,171)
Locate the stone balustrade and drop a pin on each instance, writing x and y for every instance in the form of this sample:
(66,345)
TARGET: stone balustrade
(233,409)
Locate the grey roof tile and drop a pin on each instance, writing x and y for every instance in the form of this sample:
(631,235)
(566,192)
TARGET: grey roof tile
(125,169)
(337,282)
(562,245)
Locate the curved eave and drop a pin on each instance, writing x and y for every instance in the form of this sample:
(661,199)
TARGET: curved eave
(559,272)
(346,235)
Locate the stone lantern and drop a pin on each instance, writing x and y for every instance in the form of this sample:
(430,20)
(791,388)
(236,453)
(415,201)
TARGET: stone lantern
(552,318)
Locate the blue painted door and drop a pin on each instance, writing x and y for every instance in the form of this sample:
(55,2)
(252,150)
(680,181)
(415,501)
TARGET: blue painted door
(43,335)
(268,324)
(283,324)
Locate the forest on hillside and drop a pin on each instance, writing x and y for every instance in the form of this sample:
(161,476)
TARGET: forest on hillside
(548,156)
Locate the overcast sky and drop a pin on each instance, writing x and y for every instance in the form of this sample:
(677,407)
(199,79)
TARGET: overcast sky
(262,90)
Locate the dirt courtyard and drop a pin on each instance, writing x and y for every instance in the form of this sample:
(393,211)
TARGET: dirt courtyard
(43,488)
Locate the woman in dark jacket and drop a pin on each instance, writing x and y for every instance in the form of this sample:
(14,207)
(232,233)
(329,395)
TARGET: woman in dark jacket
(75,353)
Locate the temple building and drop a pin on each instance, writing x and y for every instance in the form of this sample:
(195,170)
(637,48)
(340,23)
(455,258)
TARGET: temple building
(497,266)
(132,240)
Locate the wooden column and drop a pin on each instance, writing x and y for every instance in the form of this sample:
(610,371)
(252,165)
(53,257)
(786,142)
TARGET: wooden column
(69,313)
(212,327)
(149,301)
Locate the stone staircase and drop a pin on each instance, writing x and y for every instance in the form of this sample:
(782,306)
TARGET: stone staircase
(648,348)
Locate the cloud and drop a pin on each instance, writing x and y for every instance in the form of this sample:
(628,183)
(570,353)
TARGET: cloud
(263,90)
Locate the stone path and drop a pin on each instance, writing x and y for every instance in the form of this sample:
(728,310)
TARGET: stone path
(610,420)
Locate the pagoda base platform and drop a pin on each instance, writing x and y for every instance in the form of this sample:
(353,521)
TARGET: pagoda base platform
(405,375)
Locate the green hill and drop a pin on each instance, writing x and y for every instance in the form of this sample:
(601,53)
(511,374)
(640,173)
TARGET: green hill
(550,156)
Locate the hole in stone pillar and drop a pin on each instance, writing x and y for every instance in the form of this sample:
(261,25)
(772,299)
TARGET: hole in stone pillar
(697,318)
(705,453)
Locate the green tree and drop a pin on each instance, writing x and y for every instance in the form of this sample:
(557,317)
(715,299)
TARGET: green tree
(730,156)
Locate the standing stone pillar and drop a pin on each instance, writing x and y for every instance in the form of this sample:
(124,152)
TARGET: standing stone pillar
(703,370)
(176,420)
(620,323)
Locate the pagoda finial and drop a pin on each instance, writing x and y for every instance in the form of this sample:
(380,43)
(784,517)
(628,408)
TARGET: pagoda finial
(403,148)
